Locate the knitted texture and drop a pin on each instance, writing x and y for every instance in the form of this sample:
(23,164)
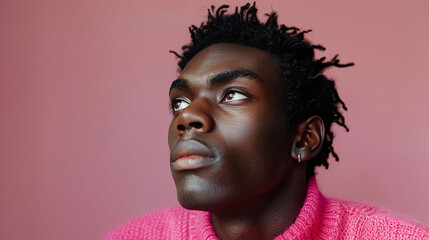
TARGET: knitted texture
(319,218)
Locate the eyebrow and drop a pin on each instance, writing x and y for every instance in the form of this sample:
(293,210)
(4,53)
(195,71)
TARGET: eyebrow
(219,78)
(179,84)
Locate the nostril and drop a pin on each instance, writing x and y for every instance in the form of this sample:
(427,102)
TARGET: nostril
(196,124)
(180,127)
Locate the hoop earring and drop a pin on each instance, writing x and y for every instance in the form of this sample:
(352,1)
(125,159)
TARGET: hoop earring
(299,158)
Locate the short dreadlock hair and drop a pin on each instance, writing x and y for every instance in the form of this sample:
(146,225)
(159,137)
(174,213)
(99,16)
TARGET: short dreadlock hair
(308,92)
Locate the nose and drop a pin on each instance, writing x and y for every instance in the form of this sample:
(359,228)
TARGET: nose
(197,116)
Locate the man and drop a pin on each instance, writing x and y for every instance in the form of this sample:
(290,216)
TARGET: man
(252,116)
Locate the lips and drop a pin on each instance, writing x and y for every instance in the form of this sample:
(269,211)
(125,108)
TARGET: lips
(190,155)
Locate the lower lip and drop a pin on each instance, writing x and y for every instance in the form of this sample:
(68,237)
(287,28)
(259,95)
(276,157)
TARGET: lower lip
(191,162)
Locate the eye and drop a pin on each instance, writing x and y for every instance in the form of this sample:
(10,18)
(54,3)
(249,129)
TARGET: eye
(179,104)
(233,96)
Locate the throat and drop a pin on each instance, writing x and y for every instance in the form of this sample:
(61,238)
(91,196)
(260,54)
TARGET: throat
(262,217)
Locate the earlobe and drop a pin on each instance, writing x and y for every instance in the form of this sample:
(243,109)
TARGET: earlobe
(309,139)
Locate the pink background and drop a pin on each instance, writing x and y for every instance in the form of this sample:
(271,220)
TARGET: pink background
(84,107)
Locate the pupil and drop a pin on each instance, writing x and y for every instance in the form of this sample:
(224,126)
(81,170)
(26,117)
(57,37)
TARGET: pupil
(177,105)
(230,96)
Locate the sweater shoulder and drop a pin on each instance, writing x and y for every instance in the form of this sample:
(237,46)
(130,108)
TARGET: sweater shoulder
(167,224)
(369,222)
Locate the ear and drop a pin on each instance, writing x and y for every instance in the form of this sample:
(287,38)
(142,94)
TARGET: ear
(309,138)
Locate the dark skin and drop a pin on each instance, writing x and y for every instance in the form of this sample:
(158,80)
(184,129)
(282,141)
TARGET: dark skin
(232,152)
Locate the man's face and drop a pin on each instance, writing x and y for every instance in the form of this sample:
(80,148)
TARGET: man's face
(229,138)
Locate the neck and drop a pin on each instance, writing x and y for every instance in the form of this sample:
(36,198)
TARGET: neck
(265,216)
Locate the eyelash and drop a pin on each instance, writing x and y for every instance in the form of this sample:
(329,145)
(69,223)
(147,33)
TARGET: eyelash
(227,92)
(173,102)
(233,91)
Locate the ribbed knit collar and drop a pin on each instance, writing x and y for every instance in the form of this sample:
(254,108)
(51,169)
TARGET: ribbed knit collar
(313,221)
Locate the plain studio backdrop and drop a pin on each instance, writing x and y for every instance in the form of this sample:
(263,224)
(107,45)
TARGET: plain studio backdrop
(84,107)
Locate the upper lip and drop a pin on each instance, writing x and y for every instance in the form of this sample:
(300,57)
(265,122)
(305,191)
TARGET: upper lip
(189,147)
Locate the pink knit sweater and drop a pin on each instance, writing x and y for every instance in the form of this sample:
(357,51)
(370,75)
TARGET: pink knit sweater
(319,218)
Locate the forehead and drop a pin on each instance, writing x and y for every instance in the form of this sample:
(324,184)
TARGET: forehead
(225,57)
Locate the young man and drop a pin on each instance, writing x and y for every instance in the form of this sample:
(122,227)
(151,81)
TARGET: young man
(252,115)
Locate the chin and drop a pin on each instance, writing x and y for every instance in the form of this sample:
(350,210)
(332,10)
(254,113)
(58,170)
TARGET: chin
(195,193)
(196,200)
(194,205)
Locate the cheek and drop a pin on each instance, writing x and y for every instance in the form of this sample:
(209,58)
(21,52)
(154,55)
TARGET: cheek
(256,148)
(171,133)
(258,133)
